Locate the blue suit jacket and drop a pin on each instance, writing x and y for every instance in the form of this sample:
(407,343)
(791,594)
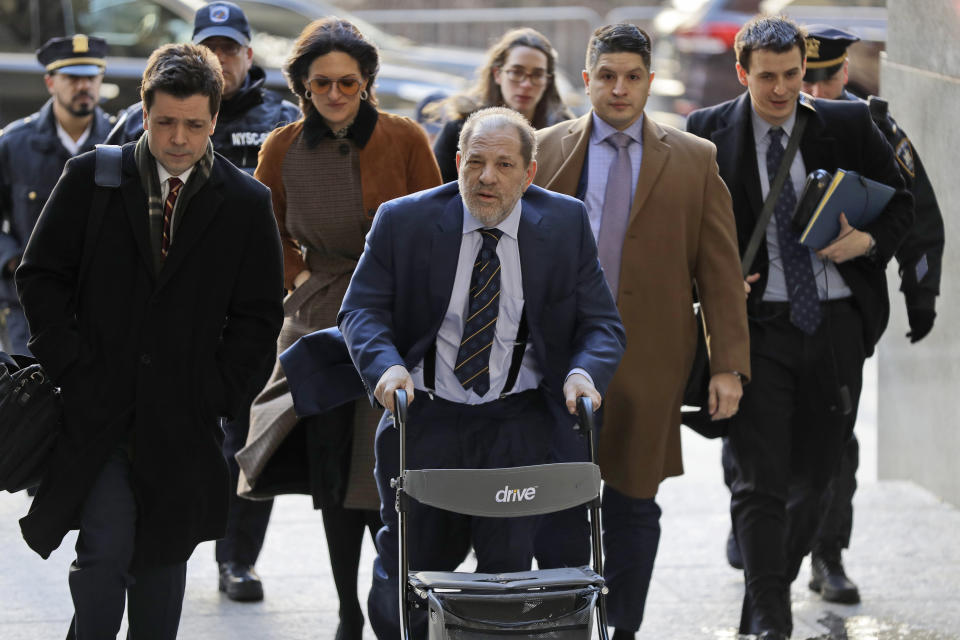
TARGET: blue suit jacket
(401,288)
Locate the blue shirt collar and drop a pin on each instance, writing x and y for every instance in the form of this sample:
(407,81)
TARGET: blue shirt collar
(603,130)
(761,127)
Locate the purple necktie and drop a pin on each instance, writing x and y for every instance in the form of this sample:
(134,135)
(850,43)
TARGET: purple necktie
(805,310)
(617,200)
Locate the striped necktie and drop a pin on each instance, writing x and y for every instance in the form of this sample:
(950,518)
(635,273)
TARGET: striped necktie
(473,358)
(168,205)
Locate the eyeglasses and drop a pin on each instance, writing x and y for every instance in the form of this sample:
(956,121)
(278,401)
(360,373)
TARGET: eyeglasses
(348,86)
(519,74)
(227,49)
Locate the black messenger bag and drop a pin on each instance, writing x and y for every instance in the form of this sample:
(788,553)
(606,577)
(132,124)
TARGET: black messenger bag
(30,408)
(30,415)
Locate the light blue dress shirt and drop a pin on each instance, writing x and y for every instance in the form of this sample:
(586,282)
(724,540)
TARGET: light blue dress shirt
(830,284)
(601,155)
(508,320)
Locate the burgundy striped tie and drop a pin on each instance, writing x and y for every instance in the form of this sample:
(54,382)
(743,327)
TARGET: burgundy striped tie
(175,184)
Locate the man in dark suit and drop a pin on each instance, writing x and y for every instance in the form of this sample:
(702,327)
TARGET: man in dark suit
(248,113)
(814,317)
(177,309)
(451,289)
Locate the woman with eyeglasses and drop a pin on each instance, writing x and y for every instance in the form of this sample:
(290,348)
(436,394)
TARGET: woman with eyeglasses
(329,172)
(519,73)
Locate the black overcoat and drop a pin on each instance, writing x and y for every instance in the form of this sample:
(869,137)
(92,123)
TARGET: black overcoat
(150,359)
(839,135)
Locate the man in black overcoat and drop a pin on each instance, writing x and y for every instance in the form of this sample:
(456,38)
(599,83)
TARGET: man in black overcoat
(814,316)
(158,338)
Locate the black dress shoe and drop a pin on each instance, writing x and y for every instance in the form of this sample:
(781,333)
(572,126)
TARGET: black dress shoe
(772,635)
(733,552)
(828,578)
(350,627)
(240,582)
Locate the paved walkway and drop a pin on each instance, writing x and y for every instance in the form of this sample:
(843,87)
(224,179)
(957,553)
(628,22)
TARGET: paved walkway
(904,556)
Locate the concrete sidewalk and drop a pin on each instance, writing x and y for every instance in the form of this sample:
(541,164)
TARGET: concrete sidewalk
(904,557)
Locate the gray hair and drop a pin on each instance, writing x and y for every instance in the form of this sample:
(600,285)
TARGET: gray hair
(493,118)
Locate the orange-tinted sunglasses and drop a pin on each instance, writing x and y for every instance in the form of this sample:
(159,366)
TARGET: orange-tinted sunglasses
(348,86)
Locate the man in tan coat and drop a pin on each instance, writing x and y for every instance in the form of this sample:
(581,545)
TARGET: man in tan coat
(663,221)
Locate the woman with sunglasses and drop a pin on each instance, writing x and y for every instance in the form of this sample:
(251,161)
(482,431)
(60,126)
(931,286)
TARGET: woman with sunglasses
(329,172)
(519,73)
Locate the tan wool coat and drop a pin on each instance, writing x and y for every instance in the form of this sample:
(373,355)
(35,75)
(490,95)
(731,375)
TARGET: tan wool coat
(681,229)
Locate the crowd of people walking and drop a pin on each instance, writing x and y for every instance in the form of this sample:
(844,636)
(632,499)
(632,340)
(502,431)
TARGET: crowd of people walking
(261,277)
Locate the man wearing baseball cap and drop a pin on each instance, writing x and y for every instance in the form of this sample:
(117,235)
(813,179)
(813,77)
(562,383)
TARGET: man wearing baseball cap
(248,113)
(33,151)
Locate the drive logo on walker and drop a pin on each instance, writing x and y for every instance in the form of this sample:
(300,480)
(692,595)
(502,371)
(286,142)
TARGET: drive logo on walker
(516,495)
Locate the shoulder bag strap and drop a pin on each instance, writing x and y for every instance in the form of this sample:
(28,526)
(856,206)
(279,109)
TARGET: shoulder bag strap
(107,178)
(759,231)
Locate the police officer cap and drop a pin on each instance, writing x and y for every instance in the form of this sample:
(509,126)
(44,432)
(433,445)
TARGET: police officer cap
(826,51)
(77,55)
(221,19)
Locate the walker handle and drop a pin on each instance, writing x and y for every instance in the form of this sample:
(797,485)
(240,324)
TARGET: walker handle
(585,414)
(400,405)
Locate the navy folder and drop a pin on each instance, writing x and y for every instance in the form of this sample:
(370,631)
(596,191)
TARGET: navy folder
(860,199)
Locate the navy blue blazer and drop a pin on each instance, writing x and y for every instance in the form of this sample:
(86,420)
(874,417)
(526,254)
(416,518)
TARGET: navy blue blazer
(401,288)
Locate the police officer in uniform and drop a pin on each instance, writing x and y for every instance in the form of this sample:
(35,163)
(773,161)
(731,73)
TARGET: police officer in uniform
(248,113)
(32,154)
(919,257)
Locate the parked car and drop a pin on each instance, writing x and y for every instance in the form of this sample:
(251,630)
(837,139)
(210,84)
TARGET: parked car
(693,42)
(134,28)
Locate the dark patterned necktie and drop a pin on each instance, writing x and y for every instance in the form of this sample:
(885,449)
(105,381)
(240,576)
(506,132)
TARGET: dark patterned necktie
(168,205)
(473,358)
(805,312)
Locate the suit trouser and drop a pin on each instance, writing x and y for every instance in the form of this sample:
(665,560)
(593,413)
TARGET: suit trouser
(836,507)
(510,432)
(573,548)
(247,520)
(100,577)
(836,522)
(631,535)
(786,441)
